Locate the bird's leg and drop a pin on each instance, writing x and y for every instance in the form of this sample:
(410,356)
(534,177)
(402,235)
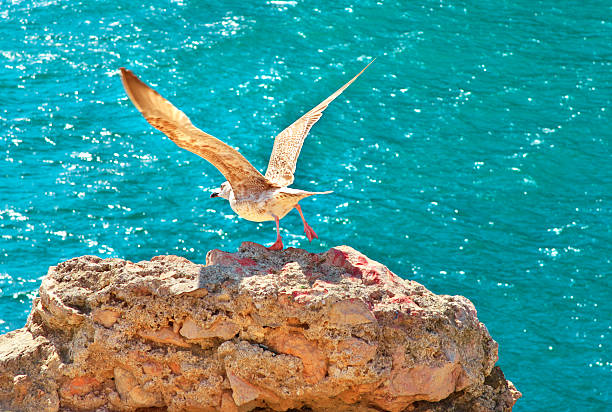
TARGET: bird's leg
(278,245)
(310,234)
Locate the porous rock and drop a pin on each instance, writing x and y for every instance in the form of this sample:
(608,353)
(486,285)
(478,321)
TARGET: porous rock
(252,329)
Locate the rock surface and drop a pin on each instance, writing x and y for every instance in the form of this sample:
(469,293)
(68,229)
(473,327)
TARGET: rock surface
(252,329)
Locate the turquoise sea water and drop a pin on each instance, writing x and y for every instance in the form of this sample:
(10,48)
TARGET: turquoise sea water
(473,156)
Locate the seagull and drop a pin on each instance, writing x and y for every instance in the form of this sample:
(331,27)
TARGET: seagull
(251,195)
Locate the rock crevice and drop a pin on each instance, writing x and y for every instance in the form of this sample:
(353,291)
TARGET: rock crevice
(251,329)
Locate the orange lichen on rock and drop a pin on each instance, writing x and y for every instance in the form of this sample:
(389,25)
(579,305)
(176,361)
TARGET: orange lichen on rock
(81,385)
(295,344)
(165,335)
(106,317)
(221,328)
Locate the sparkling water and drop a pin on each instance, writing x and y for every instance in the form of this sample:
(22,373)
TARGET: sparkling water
(473,156)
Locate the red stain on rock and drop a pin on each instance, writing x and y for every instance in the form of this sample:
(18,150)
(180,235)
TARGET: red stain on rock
(335,257)
(402,299)
(360,266)
(219,257)
(362,260)
(246,262)
(312,276)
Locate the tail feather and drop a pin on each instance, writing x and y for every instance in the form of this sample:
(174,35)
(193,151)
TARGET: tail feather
(304,193)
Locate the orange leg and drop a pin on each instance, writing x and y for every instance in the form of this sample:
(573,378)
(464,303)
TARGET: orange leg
(310,234)
(278,245)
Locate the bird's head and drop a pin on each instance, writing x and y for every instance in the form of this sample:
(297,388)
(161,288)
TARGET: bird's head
(223,191)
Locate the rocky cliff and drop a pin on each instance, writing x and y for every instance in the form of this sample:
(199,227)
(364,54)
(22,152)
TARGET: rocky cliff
(253,329)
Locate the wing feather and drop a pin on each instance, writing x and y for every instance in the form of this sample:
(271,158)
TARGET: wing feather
(288,143)
(162,115)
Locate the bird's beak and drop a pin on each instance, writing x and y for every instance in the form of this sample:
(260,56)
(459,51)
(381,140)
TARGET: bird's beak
(214,194)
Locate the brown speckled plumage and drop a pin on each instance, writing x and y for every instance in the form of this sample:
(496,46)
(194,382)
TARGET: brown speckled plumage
(162,115)
(288,143)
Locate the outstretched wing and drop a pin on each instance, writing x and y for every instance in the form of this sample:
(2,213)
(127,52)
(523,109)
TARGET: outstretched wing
(288,143)
(162,115)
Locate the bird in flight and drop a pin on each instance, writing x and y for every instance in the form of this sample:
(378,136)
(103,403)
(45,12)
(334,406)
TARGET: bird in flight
(251,195)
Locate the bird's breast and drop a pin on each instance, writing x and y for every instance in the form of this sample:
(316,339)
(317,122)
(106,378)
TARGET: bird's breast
(263,207)
(255,210)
